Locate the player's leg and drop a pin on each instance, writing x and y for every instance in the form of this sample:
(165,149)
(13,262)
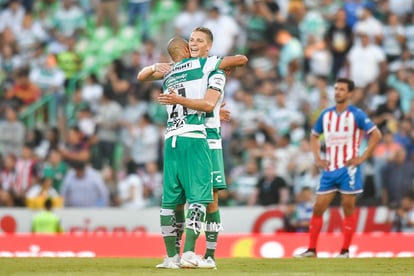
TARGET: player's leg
(213,220)
(179,226)
(213,226)
(173,195)
(325,194)
(195,175)
(350,186)
(348,202)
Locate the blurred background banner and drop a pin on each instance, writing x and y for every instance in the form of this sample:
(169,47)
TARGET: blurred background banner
(141,245)
(255,220)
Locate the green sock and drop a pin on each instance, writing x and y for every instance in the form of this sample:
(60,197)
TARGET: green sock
(213,227)
(179,224)
(195,218)
(167,221)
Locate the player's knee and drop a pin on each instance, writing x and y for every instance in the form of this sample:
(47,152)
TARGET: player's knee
(196,217)
(180,207)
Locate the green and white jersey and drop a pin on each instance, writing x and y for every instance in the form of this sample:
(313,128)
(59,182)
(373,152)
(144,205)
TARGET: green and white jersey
(189,78)
(217,80)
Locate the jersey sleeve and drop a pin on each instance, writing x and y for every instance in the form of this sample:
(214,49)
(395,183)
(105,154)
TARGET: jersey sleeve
(318,127)
(212,63)
(363,122)
(217,80)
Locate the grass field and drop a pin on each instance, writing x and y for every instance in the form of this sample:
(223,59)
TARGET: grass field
(234,266)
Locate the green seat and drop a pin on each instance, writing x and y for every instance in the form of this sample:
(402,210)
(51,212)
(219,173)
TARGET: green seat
(128,39)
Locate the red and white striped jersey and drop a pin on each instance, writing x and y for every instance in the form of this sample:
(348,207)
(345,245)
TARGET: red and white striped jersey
(342,134)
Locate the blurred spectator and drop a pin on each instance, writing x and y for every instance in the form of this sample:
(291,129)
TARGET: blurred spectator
(156,111)
(46,221)
(366,61)
(76,148)
(143,142)
(281,116)
(108,119)
(108,10)
(50,79)
(139,9)
(405,136)
(10,61)
(12,16)
(72,107)
(409,34)
(320,90)
(24,92)
(87,123)
(132,191)
(401,7)
(224,28)
(270,189)
(110,179)
(244,182)
(400,83)
(403,219)
(7,180)
(389,113)
(29,36)
(116,83)
(256,27)
(92,91)
(339,39)
(153,182)
(68,21)
(405,61)
(84,187)
(312,24)
(301,163)
(384,153)
(397,176)
(317,58)
(300,217)
(69,60)
(394,38)
(12,133)
(55,168)
(373,97)
(149,54)
(190,17)
(369,25)
(132,113)
(26,175)
(38,143)
(291,54)
(42,191)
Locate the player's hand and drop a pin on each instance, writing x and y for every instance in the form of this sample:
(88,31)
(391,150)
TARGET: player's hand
(354,162)
(169,98)
(322,164)
(225,115)
(163,67)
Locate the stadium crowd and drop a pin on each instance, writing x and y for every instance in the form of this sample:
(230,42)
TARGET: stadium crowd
(106,147)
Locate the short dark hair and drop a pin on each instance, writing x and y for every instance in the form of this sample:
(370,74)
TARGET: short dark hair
(48,203)
(350,83)
(205,30)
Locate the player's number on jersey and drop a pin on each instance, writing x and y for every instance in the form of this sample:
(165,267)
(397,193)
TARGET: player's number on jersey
(174,113)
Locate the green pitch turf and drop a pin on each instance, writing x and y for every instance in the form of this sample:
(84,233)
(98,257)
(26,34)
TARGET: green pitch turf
(233,266)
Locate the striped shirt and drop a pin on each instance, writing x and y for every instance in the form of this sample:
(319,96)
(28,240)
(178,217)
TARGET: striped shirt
(342,133)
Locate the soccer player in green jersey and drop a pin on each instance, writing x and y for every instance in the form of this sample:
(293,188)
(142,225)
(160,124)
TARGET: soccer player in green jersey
(201,40)
(207,102)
